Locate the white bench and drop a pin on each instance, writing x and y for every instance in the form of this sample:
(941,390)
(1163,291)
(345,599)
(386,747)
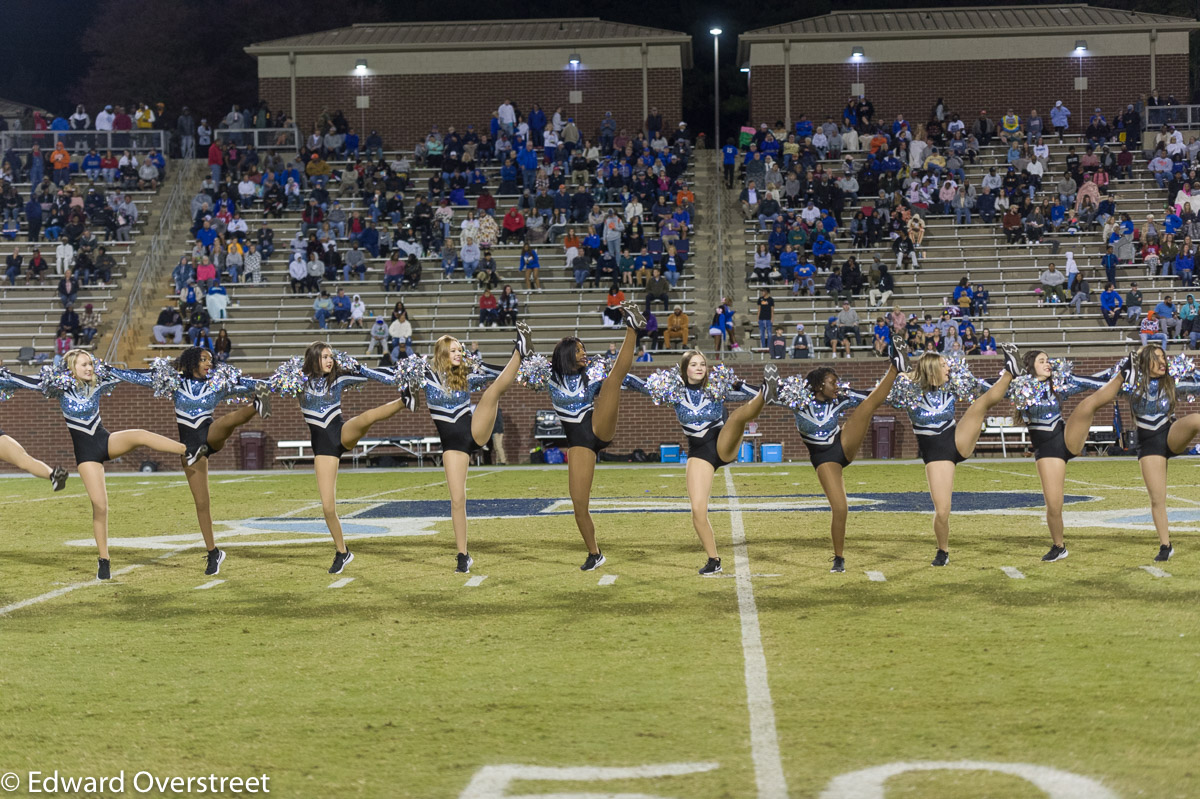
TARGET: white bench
(417,447)
(1011,432)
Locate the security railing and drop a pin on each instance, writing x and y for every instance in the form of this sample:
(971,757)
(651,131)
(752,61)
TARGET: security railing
(262,138)
(79,141)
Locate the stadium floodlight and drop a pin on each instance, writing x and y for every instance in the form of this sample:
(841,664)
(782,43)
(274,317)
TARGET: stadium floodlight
(857,52)
(715,31)
(746,67)
(574,59)
(1081,45)
(360,66)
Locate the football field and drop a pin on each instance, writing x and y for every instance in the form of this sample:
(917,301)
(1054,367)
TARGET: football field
(997,676)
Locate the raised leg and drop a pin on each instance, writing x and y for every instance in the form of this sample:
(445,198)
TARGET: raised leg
(197,477)
(1154,472)
(483,419)
(735,426)
(221,429)
(834,485)
(1052,472)
(966,434)
(1181,433)
(699,475)
(859,422)
(358,427)
(1079,423)
(608,401)
(125,441)
(326,468)
(455,464)
(940,475)
(14,453)
(92,474)
(581,468)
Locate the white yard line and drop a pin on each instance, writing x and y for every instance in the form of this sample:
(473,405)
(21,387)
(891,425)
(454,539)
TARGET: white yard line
(66,589)
(342,583)
(607,579)
(209,584)
(1012,572)
(876,577)
(475,582)
(764,739)
(1155,571)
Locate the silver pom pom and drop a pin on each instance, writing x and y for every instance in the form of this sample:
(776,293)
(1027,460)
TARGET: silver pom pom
(227,379)
(289,379)
(905,394)
(665,387)
(534,372)
(598,368)
(410,372)
(165,378)
(473,361)
(795,393)
(962,383)
(1027,391)
(5,393)
(346,362)
(1181,367)
(720,380)
(56,381)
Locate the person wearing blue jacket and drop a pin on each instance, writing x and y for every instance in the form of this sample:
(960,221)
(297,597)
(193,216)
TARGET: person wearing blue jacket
(823,250)
(527,158)
(1060,117)
(729,154)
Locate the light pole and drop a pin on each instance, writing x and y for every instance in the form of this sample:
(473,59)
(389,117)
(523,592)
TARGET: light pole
(716,145)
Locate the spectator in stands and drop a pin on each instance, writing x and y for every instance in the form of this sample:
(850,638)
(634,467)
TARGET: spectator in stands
(677,328)
(882,333)
(1053,283)
(657,289)
(1060,118)
(486,277)
(297,272)
(766,317)
(750,198)
(489,309)
(69,321)
(1151,330)
(13,266)
(801,344)
(1133,302)
(341,307)
(509,307)
(1168,317)
(68,289)
(1080,292)
(89,325)
(393,271)
(1189,311)
(847,327)
(1110,304)
(169,321)
(322,309)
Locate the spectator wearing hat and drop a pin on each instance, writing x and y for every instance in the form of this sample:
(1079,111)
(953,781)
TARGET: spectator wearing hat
(1150,329)
(1060,117)
(377,337)
(801,344)
(1133,303)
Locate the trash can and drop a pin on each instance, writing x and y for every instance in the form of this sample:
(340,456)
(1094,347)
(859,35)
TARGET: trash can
(254,443)
(883,437)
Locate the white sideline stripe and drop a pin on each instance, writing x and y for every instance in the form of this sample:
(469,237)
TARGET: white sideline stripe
(607,579)
(342,583)
(876,577)
(764,739)
(1154,570)
(475,581)
(491,782)
(1012,572)
(66,589)
(208,585)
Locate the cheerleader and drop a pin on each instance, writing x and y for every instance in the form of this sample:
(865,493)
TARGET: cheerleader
(928,393)
(319,380)
(196,388)
(818,402)
(698,396)
(447,384)
(1153,392)
(12,452)
(1038,396)
(586,401)
(78,388)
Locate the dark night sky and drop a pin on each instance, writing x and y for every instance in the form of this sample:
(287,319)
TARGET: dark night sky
(42,59)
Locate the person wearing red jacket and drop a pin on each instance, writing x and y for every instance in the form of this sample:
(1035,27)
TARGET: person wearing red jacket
(216,157)
(514,226)
(489,309)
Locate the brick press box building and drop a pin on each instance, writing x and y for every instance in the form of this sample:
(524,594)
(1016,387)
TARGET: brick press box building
(398,78)
(1019,57)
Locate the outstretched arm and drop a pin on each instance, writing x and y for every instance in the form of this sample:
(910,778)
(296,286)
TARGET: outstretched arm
(138,377)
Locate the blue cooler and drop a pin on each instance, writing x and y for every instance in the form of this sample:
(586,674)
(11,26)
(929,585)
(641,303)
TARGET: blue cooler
(746,452)
(772,453)
(669,453)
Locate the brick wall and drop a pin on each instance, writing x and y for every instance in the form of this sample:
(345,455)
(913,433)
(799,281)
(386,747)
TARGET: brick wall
(403,106)
(37,424)
(967,86)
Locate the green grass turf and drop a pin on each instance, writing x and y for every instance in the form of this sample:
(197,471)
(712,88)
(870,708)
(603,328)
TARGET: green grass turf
(404,683)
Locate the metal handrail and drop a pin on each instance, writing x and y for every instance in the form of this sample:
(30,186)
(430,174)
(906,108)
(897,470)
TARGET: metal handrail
(158,246)
(262,138)
(136,140)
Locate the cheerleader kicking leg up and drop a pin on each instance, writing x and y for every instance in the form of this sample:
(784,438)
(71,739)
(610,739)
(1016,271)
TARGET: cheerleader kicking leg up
(967,433)
(608,401)
(12,452)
